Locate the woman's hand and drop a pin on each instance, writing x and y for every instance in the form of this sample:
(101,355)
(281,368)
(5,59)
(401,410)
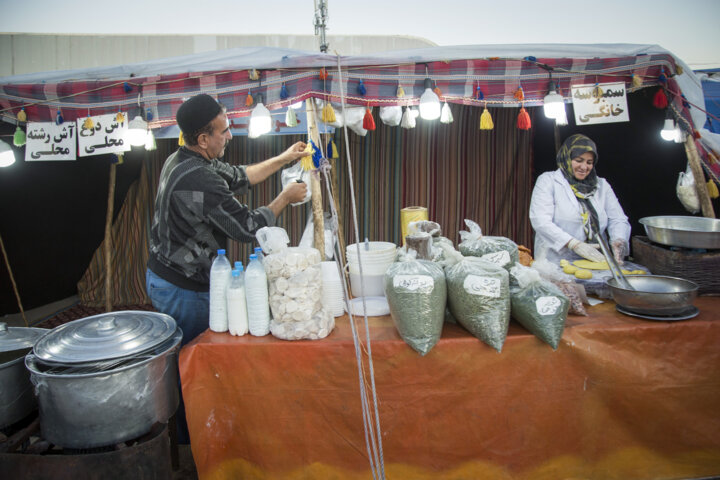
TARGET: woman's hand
(618,249)
(585,250)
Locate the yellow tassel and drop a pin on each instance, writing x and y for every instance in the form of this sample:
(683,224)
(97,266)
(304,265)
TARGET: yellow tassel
(486,121)
(120,159)
(679,70)
(334,153)
(22,116)
(400,92)
(88,124)
(636,81)
(306,163)
(712,189)
(253,74)
(597,91)
(120,118)
(328,113)
(181,140)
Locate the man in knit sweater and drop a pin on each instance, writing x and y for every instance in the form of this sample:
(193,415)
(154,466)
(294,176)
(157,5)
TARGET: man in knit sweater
(196,211)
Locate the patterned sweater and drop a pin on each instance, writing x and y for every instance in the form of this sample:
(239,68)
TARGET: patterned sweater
(195,213)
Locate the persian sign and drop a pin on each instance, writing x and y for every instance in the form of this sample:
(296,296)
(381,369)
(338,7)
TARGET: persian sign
(106,136)
(606,104)
(50,141)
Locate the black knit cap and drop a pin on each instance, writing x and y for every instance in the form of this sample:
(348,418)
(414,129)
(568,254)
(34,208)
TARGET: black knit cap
(196,112)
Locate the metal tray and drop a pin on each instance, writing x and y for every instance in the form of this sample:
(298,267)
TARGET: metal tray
(683,231)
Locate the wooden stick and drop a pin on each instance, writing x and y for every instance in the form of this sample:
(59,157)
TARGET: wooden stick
(334,187)
(700,185)
(12,279)
(108,239)
(315,187)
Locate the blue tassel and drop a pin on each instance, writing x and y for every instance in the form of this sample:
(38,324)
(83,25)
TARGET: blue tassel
(317,154)
(283,92)
(148,114)
(662,78)
(127,87)
(531,59)
(59,118)
(685,102)
(479,95)
(361,88)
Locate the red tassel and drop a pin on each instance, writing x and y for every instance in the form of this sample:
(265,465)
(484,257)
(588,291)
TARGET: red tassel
(519,94)
(437,91)
(323,74)
(368,120)
(696,135)
(660,100)
(523,121)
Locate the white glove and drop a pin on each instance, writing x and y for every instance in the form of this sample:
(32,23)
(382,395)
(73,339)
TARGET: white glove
(585,250)
(618,249)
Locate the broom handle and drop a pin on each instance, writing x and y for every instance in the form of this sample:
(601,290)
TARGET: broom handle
(315,188)
(108,239)
(12,279)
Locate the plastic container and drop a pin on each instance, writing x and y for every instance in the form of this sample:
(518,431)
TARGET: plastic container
(333,296)
(260,255)
(376,306)
(256,294)
(374,285)
(237,304)
(219,279)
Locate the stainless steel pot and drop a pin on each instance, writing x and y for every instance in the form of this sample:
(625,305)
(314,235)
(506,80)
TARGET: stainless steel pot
(104,401)
(17,398)
(683,231)
(654,294)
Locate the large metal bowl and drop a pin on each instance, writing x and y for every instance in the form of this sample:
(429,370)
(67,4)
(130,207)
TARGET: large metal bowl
(682,231)
(654,294)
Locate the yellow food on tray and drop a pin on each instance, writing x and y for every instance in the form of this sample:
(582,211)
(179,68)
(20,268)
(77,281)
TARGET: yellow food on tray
(588,265)
(570,269)
(583,273)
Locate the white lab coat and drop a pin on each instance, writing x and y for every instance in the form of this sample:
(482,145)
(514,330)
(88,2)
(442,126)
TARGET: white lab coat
(555,215)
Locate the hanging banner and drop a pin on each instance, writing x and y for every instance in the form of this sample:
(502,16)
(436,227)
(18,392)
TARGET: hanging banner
(107,135)
(603,103)
(50,141)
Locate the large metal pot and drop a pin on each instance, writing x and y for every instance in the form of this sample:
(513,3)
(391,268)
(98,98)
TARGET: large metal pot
(654,294)
(106,379)
(683,231)
(17,399)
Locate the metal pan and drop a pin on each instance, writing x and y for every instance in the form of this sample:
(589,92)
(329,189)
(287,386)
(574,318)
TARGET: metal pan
(683,231)
(654,294)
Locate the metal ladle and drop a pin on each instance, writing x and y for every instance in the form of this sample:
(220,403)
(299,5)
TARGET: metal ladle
(617,274)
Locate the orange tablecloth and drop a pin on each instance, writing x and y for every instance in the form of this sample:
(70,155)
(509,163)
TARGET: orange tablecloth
(621,398)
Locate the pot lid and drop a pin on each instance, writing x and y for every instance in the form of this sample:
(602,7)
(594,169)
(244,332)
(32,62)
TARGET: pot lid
(107,336)
(17,338)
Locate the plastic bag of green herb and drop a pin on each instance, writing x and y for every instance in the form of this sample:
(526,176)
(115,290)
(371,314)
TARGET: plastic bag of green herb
(416,293)
(479,299)
(538,305)
(498,250)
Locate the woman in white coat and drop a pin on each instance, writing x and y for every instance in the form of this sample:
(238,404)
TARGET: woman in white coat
(571,204)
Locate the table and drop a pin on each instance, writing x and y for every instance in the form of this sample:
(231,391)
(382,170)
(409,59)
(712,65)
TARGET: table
(621,398)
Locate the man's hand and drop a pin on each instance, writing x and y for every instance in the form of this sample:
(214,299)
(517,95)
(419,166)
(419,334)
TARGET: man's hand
(585,250)
(295,191)
(295,152)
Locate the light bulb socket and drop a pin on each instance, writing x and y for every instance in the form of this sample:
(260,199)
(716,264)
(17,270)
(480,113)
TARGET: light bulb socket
(428,83)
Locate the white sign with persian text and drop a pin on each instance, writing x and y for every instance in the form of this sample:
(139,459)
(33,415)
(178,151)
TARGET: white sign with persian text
(603,103)
(50,141)
(107,135)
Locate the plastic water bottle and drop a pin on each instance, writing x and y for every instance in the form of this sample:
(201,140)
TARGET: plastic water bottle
(219,279)
(259,253)
(256,293)
(237,304)
(238,266)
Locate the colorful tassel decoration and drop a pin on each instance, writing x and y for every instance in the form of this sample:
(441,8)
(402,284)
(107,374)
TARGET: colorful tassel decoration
(685,103)
(636,81)
(323,74)
(332,151)
(249,100)
(148,114)
(519,94)
(445,114)
(523,121)
(284,92)
(88,124)
(660,100)
(597,91)
(479,95)
(679,70)
(19,139)
(400,92)
(712,189)
(181,140)
(662,78)
(253,74)
(408,118)
(127,87)
(361,88)
(120,118)
(437,91)
(307,161)
(328,113)
(486,121)
(368,120)
(22,116)
(290,117)
(118,159)
(59,118)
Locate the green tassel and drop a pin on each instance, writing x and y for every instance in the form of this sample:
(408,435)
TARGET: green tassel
(290,117)
(19,139)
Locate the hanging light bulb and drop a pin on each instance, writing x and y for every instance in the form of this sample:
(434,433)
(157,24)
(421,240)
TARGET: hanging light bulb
(679,134)
(7,156)
(429,102)
(562,119)
(137,132)
(260,121)
(668,132)
(553,103)
(150,143)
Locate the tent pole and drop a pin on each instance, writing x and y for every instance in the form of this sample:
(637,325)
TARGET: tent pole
(12,279)
(700,185)
(108,238)
(315,188)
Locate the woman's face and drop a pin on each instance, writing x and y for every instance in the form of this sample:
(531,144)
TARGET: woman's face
(583,165)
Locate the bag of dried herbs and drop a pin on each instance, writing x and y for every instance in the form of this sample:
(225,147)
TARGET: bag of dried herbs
(498,250)
(538,305)
(417,295)
(479,299)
